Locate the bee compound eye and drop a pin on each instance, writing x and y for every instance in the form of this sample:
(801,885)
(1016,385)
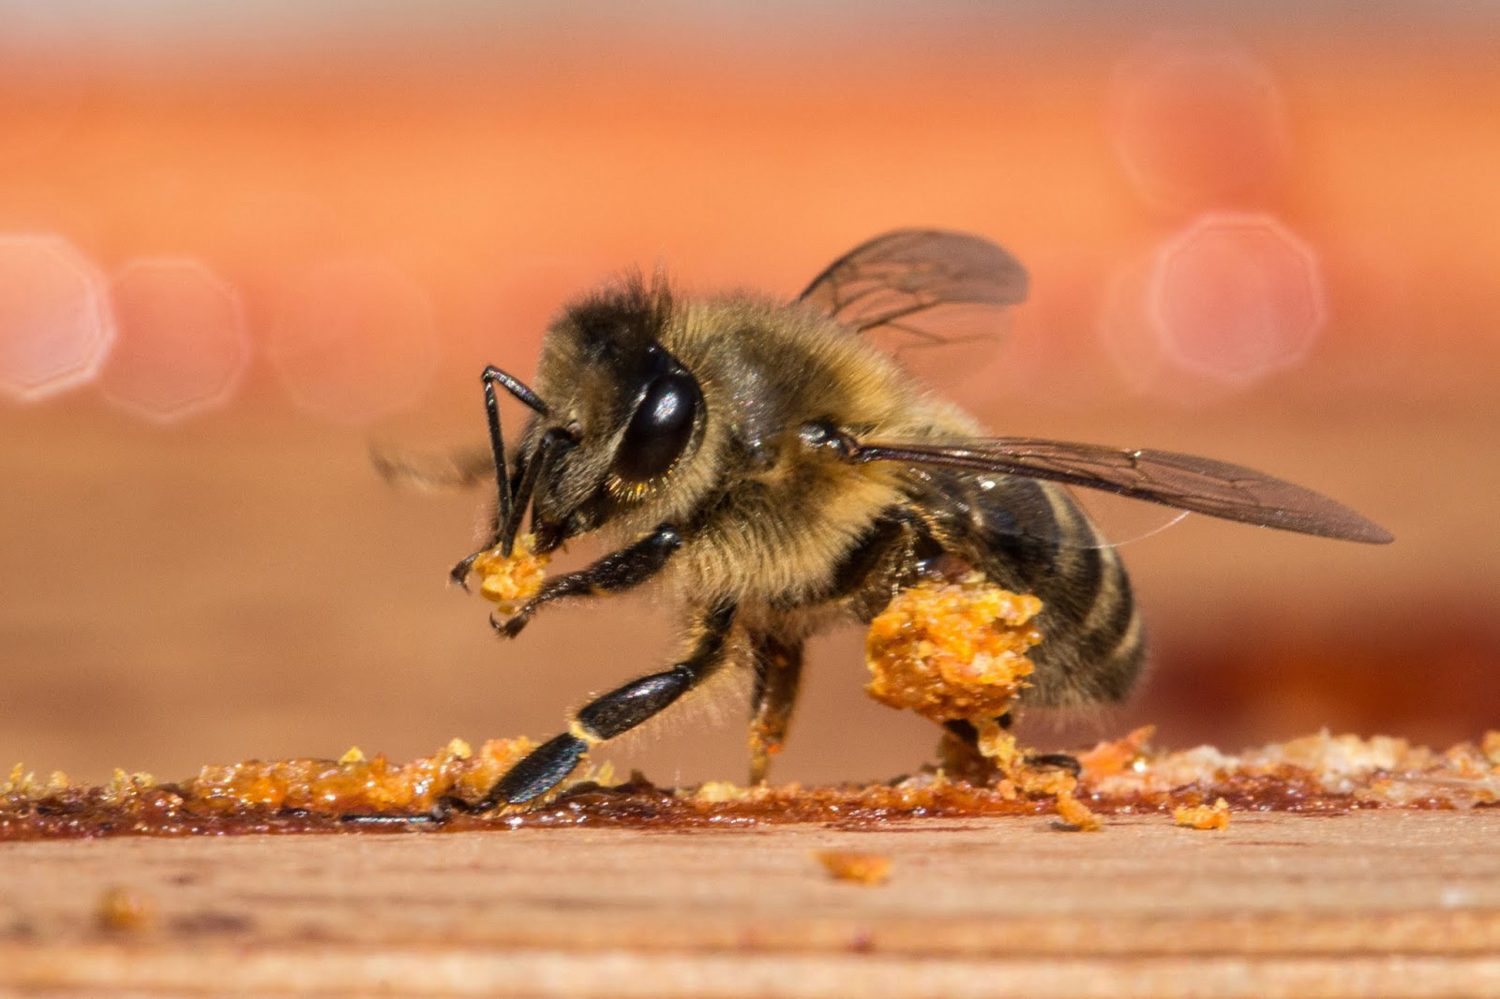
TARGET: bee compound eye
(660,428)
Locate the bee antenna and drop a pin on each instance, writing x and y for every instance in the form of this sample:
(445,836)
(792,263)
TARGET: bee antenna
(517,388)
(507,514)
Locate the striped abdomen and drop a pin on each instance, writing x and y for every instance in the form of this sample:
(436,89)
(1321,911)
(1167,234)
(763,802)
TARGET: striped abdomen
(1031,537)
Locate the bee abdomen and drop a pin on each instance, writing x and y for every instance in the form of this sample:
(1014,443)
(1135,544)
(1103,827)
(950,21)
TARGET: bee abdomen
(1030,536)
(1099,655)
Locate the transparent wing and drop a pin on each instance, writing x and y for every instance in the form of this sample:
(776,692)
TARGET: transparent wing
(1184,481)
(457,469)
(913,291)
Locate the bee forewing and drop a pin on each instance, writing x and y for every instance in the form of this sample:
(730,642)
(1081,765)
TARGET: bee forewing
(1184,481)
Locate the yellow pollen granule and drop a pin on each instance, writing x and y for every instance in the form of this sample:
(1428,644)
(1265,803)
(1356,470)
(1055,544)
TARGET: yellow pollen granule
(510,582)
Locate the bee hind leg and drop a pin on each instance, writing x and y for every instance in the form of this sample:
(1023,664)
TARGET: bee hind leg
(1045,761)
(1055,761)
(605,717)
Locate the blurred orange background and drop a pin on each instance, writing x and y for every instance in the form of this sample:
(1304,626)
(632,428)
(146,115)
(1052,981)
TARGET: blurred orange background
(238,248)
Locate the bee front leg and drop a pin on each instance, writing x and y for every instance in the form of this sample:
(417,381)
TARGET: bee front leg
(622,570)
(605,717)
(778,675)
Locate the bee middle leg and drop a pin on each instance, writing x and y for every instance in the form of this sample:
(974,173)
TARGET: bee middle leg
(892,553)
(778,674)
(605,717)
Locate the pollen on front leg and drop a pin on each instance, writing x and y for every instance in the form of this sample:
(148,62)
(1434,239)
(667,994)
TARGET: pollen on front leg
(510,581)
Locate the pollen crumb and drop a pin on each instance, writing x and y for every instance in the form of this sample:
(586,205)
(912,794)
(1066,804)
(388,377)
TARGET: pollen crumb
(510,582)
(124,786)
(851,865)
(1075,815)
(122,910)
(351,756)
(20,782)
(1215,816)
(1109,759)
(1490,746)
(719,791)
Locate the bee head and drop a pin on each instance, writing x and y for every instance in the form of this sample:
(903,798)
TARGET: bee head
(626,414)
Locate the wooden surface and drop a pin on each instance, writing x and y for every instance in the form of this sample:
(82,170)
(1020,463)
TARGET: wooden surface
(1391,903)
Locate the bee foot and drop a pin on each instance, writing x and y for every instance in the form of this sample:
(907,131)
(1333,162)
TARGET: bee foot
(459,574)
(445,807)
(510,627)
(362,819)
(540,772)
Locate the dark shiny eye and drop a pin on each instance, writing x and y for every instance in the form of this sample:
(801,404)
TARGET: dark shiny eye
(660,428)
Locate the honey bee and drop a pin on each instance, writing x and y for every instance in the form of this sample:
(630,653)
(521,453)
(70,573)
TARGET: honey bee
(779,472)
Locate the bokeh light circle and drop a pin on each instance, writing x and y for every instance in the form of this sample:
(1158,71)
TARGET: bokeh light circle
(183,347)
(355,342)
(1236,297)
(55,322)
(1197,121)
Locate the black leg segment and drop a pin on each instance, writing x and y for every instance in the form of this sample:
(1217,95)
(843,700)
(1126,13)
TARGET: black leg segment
(1056,761)
(623,709)
(540,772)
(608,716)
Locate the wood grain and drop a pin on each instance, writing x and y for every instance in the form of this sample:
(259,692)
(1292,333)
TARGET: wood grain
(1394,903)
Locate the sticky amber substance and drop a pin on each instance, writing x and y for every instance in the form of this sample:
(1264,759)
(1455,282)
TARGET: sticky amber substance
(1215,816)
(352,784)
(850,865)
(1316,774)
(510,582)
(952,650)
